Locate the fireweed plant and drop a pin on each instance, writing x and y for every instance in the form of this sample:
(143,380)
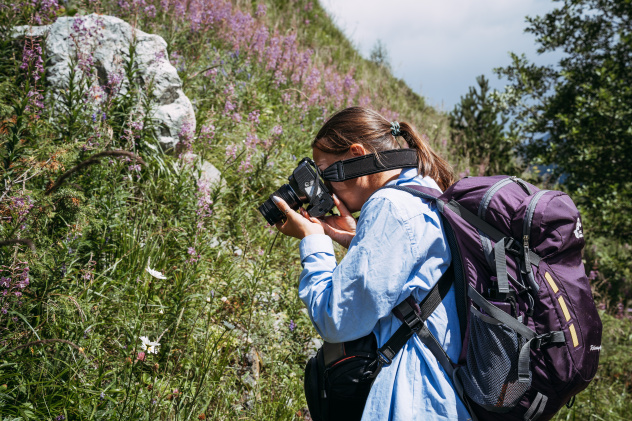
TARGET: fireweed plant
(131,285)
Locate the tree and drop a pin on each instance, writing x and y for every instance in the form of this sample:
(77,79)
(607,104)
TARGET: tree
(478,131)
(577,116)
(379,55)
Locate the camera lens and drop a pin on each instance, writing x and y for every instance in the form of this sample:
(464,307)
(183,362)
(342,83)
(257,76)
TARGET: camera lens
(269,210)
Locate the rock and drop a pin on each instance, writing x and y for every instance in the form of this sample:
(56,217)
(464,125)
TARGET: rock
(103,42)
(205,172)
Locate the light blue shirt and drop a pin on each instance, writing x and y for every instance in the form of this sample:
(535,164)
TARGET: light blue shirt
(399,249)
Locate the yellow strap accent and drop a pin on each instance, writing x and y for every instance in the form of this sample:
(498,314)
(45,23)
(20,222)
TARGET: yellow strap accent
(549,279)
(567,315)
(573,335)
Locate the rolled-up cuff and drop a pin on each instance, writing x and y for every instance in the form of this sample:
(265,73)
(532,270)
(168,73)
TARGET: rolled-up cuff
(316,243)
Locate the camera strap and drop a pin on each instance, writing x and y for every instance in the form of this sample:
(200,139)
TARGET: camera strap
(370,164)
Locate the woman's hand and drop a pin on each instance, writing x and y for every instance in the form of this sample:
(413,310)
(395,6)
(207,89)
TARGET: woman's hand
(341,228)
(295,225)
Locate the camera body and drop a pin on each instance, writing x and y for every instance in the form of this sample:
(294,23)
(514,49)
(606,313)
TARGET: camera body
(305,187)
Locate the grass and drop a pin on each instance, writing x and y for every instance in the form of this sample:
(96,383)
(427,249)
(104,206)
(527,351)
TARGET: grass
(233,334)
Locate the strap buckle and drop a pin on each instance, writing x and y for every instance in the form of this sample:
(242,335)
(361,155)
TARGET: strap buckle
(513,247)
(541,340)
(383,359)
(413,321)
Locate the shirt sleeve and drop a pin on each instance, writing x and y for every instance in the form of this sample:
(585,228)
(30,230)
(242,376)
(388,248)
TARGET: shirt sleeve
(346,301)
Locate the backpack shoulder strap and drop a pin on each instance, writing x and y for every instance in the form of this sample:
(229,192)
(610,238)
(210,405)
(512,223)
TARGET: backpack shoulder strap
(414,318)
(460,287)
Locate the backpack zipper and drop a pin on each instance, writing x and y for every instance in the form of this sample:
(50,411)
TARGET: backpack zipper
(526,232)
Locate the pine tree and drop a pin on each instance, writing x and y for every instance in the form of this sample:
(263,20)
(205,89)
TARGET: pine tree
(478,131)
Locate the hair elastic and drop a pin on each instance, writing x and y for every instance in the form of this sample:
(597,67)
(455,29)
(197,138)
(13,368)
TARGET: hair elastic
(395,129)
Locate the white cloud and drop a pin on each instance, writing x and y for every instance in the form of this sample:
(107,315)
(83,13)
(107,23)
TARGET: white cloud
(439,47)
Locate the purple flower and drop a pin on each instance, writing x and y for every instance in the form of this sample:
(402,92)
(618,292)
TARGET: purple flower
(254,116)
(228,107)
(251,140)
(261,10)
(277,130)
(292,325)
(245,165)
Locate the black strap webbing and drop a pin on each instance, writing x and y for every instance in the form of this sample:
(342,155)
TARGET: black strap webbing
(414,319)
(370,164)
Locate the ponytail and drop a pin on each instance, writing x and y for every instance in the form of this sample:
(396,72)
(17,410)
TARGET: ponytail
(430,163)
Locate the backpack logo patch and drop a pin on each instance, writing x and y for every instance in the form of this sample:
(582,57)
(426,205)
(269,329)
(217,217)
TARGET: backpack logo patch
(595,348)
(578,229)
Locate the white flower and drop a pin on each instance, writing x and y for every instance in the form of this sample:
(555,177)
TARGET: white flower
(149,346)
(208,299)
(161,312)
(156,274)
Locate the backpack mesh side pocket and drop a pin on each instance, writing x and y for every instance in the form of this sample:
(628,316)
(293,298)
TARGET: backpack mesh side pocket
(490,374)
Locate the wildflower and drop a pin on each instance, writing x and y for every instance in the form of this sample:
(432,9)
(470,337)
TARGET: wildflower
(261,12)
(141,356)
(156,274)
(277,130)
(161,311)
(254,116)
(149,346)
(60,418)
(292,325)
(208,299)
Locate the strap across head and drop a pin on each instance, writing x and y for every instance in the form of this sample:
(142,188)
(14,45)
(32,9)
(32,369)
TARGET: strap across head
(370,164)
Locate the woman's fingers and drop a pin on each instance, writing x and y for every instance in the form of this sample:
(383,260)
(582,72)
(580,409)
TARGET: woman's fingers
(341,206)
(308,216)
(295,225)
(284,207)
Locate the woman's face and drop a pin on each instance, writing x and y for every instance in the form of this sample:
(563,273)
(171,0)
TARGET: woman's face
(353,193)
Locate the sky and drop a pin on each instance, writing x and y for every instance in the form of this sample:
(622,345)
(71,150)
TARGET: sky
(440,47)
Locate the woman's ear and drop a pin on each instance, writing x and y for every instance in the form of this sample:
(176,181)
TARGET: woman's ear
(358,150)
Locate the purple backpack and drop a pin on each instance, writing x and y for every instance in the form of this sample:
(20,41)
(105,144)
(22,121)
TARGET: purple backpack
(530,330)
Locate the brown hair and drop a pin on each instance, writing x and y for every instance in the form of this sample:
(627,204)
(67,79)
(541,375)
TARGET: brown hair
(373,131)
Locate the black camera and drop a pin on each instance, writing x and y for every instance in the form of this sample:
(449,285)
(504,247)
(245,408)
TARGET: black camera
(305,187)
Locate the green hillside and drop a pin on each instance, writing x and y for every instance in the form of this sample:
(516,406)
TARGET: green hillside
(106,238)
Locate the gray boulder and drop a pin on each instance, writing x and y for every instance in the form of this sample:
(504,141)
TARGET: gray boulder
(103,42)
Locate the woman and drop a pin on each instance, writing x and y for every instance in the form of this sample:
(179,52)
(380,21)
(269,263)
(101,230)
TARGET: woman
(396,249)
